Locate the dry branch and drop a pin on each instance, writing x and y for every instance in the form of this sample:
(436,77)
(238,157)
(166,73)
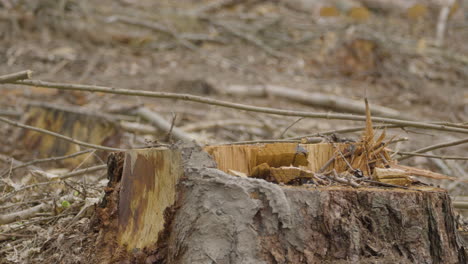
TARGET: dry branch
(344,130)
(137,127)
(159,122)
(136,22)
(13,162)
(57,135)
(313,99)
(22,75)
(200,99)
(442,23)
(249,38)
(163,29)
(23,215)
(219,123)
(80,172)
(10,113)
(309,140)
(213,6)
(54,180)
(432,156)
(33,162)
(460,204)
(436,146)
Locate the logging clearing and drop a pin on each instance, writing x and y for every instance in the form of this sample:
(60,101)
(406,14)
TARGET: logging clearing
(215,131)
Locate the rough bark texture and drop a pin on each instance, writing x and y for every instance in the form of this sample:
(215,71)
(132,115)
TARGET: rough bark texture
(219,218)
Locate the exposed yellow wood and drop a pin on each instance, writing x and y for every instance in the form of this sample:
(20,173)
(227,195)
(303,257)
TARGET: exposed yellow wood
(287,174)
(392,176)
(237,173)
(148,188)
(76,124)
(251,159)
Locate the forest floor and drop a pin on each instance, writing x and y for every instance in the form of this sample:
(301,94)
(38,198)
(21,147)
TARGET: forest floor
(175,46)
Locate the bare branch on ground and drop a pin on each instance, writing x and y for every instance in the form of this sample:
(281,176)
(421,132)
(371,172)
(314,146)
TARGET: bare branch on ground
(210,101)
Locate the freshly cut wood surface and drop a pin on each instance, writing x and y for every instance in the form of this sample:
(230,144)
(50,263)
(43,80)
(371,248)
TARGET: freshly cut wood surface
(244,158)
(149,181)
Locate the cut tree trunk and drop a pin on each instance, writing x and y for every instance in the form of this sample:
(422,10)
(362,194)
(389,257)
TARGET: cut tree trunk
(75,122)
(174,205)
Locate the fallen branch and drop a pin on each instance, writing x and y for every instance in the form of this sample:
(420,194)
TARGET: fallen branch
(309,141)
(137,127)
(219,123)
(212,6)
(23,215)
(384,184)
(161,28)
(442,23)
(80,172)
(343,131)
(159,122)
(432,156)
(13,162)
(200,99)
(26,202)
(251,39)
(33,162)
(289,126)
(348,181)
(54,180)
(9,78)
(57,135)
(10,113)
(460,204)
(136,22)
(436,146)
(312,99)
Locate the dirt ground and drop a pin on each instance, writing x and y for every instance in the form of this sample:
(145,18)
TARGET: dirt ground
(390,58)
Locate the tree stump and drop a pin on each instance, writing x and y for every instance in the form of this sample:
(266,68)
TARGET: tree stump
(174,205)
(75,122)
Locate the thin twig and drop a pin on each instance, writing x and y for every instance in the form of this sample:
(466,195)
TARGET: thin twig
(200,99)
(349,181)
(54,180)
(26,164)
(328,163)
(13,77)
(57,135)
(159,122)
(386,184)
(25,214)
(169,133)
(311,140)
(80,172)
(442,23)
(361,128)
(212,6)
(287,128)
(249,38)
(436,146)
(10,113)
(432,156)
(219,123)
(27,202)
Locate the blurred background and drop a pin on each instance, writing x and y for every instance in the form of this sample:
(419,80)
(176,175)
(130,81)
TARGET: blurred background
(409,57)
